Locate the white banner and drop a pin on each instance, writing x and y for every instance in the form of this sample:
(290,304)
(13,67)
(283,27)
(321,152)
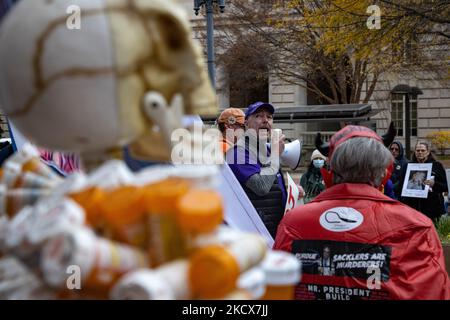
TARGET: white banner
(292,194)
(239,211)
(17,139)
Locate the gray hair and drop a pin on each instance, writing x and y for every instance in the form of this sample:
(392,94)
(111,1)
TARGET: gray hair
(360,160)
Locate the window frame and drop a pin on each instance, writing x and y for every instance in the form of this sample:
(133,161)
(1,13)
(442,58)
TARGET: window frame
(396,100)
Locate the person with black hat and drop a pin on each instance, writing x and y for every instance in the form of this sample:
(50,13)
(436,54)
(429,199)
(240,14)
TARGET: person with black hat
(255,163)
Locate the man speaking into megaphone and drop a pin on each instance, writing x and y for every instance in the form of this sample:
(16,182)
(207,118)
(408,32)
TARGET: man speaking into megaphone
(255,161)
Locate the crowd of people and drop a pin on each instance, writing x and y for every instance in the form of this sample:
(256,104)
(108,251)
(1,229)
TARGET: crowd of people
(354,215)
(353,199)
(234,125)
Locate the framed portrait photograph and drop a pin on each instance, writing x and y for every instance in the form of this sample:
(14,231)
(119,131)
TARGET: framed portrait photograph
(416,174)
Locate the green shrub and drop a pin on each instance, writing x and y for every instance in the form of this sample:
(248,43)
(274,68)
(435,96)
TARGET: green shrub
(443,229)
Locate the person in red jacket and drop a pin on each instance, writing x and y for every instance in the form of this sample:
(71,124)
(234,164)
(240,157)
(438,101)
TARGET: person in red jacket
(372,246)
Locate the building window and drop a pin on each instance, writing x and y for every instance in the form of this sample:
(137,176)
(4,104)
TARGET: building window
(398,113)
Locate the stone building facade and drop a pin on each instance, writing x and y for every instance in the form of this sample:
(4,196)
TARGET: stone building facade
(430,111)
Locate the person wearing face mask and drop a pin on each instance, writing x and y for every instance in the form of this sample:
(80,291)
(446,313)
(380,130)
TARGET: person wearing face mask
(433,205)
(312,181)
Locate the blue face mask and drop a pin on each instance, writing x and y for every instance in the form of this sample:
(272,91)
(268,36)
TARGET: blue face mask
(318,163)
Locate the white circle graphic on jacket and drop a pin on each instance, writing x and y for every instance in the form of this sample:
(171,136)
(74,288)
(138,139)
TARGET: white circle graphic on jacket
(341,219)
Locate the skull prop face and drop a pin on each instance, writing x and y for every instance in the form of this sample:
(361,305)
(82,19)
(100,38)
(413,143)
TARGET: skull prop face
(82,89)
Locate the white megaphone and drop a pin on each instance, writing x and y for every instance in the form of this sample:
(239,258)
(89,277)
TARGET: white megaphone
(292,154)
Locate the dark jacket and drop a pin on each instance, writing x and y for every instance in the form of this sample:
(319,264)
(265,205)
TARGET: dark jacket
(312,183)
(400,165)
(270,207)
(433,205)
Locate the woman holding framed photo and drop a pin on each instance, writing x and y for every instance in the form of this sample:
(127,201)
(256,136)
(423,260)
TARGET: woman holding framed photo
(433,205)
